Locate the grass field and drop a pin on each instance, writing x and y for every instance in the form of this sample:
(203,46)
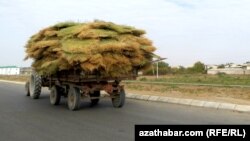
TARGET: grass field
(200,78)
(223,93)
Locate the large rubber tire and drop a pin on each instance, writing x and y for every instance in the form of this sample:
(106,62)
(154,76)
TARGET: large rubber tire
(95,101)
(74,98)
(55,95)
(35,85)
(119,99)
(27,91)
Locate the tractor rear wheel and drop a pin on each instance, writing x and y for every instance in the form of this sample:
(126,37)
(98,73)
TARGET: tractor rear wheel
(55,95)
(119,99)
(74,97)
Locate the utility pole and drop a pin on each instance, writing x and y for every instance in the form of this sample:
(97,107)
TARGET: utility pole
(153,69)
(157,67)
(157,70)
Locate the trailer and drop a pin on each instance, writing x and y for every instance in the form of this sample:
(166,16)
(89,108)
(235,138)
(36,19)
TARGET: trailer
(76,84)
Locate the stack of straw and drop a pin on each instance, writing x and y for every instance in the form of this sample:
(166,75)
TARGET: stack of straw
(104,47)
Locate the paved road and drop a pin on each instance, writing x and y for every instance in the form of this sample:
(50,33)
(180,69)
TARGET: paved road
(24,119)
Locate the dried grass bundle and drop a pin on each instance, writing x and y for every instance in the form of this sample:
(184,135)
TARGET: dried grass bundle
(104,47)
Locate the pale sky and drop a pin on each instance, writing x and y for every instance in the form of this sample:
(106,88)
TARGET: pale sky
(184,31)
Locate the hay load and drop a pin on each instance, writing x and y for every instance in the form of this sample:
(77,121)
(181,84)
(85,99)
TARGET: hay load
(104,47)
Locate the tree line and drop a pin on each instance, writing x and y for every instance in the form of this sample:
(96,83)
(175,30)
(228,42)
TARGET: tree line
(164,68)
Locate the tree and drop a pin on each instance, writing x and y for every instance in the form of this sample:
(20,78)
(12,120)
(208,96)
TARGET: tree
(179,70)
(163,68)
(198,67)
(222,66)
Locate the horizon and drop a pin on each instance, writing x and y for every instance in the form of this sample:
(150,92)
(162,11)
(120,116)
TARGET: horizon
(160,61)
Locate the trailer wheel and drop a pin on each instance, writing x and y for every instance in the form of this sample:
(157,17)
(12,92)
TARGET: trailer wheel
(27,91)
(119,99)
(55,95)
(74,98)
(35,85)
(96,94)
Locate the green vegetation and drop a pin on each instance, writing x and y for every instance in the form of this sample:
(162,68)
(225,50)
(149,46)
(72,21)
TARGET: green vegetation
(198,67)
(194,74)
(222,79)
(222,66)
(193,92)
(164,68)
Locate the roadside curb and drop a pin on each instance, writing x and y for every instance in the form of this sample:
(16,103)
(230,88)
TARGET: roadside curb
(182,101)
(15,82)
(192,102)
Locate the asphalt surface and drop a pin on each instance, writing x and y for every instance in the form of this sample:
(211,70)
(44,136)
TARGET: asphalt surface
(25,119)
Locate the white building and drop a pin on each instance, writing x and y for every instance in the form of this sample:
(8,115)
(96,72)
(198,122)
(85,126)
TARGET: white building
(231,69)
(235,66)
(9,70)
(247,65)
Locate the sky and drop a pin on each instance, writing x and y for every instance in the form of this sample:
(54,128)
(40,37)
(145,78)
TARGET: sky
(183,31)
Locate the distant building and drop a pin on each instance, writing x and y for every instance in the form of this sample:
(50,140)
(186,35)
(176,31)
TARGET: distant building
(25,70)
(230,69)
(234,66)
(247,65)
(9,70)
